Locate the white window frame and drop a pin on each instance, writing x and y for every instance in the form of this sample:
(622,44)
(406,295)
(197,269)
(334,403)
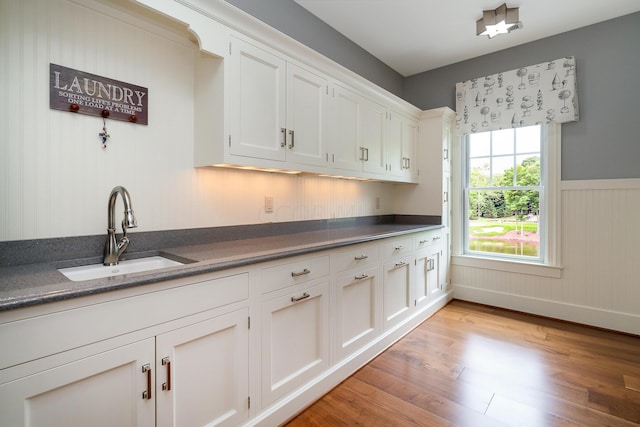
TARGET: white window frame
(550,264)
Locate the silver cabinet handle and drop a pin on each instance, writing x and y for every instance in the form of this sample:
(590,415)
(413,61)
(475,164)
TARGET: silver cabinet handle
(422,242)
(399,247)
(304,296)
(300,273)
(361,257)
(283,137)
(364,154)
(446,153)
(167,362)
(361,276)
(146,369)
(446,196)
(292,133)
(436,238)
(400,264)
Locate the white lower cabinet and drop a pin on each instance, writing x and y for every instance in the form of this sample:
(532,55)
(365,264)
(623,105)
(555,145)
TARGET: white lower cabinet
(202,373)
(428,269)
(194,375)
(295,339)
(397,291)
(105,389)
(188,360)
(358,310)
(424,277)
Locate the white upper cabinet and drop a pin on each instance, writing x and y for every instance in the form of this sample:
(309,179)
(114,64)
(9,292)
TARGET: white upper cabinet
(258,87)
(268,104)
(357,133)
(344,131)
(306,112)
(372,124)
(401,146)
(277,109)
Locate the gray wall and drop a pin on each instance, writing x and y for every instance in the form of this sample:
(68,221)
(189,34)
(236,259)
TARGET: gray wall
(605,143)
(295,21)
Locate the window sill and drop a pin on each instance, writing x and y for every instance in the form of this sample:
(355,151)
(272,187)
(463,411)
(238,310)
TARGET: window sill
(509,266)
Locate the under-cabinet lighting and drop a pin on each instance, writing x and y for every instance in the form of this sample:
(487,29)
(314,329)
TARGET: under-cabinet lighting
(352,178)
(258,169)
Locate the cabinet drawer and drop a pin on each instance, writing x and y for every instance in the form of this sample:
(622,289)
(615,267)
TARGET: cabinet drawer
(397,247)
(293,273)
(427,238)
(359,257)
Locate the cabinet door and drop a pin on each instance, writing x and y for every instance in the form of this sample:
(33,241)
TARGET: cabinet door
(306,109)
(257,101)
(393,145)
(371,122)
(345,153)
(101,390)
(446,204)
(202,372)
(295,340)
(397,291)
(447,139)
(358,310)
(427,275)
(401,145)
(409,148)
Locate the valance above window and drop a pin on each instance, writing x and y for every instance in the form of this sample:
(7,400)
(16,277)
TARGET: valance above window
(527,96)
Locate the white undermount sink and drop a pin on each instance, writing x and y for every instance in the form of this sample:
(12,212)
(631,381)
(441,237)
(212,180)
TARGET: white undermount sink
(99,271)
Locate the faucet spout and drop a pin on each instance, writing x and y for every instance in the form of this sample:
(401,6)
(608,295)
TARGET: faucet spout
(112,247)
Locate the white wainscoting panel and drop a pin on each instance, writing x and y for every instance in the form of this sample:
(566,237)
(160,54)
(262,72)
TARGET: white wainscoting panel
(600,281)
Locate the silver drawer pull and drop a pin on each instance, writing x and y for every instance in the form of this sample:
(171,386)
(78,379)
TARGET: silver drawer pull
(304,296)
(436,238)
(300,273)
(361,257)
(400,264)
(399,248)
(422,242)
(146,369)
(361,276)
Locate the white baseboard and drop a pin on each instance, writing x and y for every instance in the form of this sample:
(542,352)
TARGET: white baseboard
(616,321)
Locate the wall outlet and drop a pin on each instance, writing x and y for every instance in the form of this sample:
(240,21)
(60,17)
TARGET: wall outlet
(268,204)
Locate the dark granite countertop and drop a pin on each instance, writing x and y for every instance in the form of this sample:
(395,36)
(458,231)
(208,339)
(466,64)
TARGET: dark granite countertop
(40,282)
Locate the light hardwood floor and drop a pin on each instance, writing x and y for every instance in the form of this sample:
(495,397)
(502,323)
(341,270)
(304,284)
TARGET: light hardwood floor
(473,365)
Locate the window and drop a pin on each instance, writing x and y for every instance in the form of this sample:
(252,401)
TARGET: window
(509,193)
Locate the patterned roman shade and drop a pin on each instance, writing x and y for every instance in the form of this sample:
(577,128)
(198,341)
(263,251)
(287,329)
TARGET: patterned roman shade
(527,96)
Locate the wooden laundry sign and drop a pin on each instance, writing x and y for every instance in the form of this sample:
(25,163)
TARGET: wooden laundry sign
(85,93)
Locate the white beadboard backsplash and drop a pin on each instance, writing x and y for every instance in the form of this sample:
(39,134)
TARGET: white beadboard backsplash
(55,178)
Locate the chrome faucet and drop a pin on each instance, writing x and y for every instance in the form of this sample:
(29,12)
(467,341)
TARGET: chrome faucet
(113,249)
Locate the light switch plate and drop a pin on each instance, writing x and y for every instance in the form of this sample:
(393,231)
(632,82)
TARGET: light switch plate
(268,204)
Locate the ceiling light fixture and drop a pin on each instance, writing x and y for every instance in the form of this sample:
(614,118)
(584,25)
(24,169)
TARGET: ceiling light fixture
(502,20)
